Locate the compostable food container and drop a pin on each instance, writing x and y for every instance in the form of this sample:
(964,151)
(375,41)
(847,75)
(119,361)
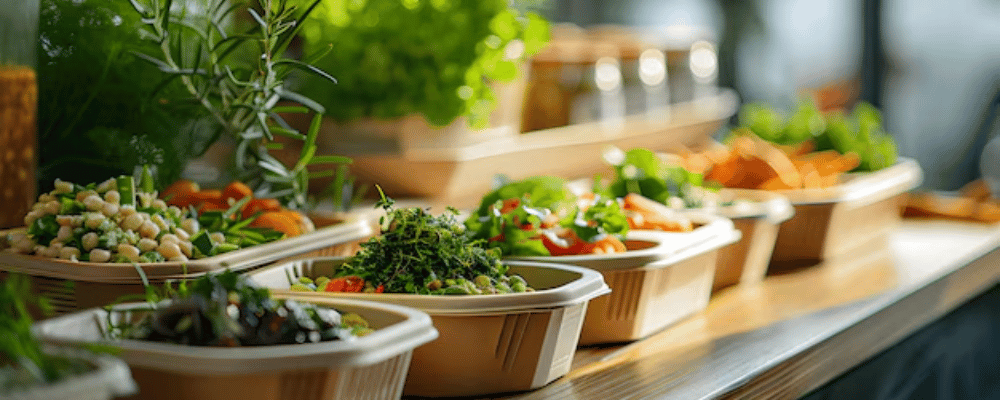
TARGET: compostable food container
(757,215)
(73,286)
(662,279)
(369,367)
(108,379)
(855,215)
(488,343)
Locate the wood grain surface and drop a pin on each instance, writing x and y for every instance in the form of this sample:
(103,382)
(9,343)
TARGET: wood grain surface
(794,332)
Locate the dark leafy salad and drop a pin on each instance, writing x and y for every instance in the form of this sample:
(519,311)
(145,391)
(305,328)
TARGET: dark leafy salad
(23,363)
(422,254)
(540,217)
(228,310)
(859,131)
(119,221)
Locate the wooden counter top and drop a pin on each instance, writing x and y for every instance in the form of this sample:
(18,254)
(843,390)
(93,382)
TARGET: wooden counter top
(797,331)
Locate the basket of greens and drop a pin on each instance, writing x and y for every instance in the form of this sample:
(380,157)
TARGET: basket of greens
(656,277)
(668,185)
(106,237)
(533,310)
(221,336)
(31,371)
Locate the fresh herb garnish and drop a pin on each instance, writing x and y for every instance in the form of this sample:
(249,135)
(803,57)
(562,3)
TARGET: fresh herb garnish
(419,253)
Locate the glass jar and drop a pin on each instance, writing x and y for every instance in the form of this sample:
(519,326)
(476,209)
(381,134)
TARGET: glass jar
(18,102)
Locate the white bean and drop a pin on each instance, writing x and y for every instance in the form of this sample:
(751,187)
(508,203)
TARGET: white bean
(169,238)
(110,209)
(63,186)
(39,249)
(178,258)
(45,198)
(149,230)
(158,220)
(53,250)
(69,253)
(112,196)
(159,204)
(132,222)
(169,250)
(90,241)
(107,185)
(129,251)
(64,220)
(31,217)
(182,234)
(52,207)
(65,233)
(84,194)
(93,202)
(94,220)
(186,248)
(147,245)
(100,255)
(190,225)
(126,210)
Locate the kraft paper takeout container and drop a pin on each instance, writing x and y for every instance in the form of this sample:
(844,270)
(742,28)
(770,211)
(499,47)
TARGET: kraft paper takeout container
(857,214)
(488,343)
(664,278)
(73,286)
(369,367)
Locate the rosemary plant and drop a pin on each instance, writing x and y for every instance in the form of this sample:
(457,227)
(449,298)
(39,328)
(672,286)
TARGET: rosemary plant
(238,78)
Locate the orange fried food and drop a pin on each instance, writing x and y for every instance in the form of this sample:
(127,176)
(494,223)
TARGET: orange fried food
(644,213)
(753,163)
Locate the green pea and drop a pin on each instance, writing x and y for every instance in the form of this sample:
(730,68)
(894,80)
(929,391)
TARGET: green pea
(519,287)
(322,281)
(305,280)
(298,287)
(483,281)
(456,290)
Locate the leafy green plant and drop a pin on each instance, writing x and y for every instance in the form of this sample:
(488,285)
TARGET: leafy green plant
(238,79)
(434,58)
(859,131)
(23,363)
(101,112)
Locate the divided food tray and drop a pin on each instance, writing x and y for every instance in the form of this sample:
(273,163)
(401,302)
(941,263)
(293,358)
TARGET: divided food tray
(488,343)
(369,367)
(652,293)
(837,220)
(74,286)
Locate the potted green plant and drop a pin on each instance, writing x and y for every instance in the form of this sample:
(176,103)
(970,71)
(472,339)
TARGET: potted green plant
(425,72)
(28,370)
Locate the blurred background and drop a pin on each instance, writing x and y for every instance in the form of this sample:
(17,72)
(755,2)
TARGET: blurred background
(932,67)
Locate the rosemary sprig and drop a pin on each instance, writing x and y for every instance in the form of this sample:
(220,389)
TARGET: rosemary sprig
(238,78)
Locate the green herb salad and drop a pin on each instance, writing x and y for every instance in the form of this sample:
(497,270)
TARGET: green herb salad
(420,253)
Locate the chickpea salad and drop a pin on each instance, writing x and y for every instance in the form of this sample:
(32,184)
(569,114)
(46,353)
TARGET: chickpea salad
(116,221)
